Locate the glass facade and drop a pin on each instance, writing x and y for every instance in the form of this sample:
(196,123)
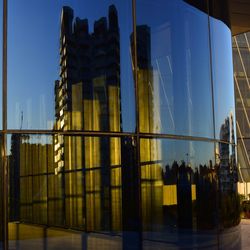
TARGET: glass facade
(121,125)
(241,55)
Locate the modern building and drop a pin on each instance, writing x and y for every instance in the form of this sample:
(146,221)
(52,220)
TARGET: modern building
(241,56)
(142,153)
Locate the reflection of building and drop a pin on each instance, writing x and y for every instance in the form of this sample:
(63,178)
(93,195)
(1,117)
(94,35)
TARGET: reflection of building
(89,88)
(150,150)
(88,99)
(87,96)
(82,185)
(228,168)
(224,170)
(30,162)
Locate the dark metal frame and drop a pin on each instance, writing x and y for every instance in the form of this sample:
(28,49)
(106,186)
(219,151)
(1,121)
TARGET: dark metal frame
(4,166)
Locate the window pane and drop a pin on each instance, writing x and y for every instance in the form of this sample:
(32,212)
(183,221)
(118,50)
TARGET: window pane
(75,184)
(81,169)
(173,57)
(179,192)
(72,67)
(243,159)
(223,81)
(229,206)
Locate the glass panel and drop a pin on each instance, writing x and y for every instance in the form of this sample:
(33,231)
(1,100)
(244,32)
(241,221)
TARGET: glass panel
(75,184)
(174,84)
(223,81)
(179,192)
(72,67)
(243,151)
(242,41)
(229,206)
(242,96)
(241,59)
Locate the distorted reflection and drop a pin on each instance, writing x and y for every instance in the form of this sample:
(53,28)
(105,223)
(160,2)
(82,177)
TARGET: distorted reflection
(174,87)
(228,175)
(222,79)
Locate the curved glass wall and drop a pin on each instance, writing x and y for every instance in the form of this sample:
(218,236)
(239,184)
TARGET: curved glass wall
(222,65)
(121,125)
(174,84)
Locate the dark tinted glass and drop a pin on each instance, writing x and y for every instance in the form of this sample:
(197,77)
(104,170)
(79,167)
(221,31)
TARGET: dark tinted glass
(173,60)
(72,67)
(179,191)
(229,199)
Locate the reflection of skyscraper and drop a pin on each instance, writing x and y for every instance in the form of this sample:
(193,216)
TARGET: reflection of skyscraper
(150,150)
(148,94)
(87,97)
(227,170)
(30,161)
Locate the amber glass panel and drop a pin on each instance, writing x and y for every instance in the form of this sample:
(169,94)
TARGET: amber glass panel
(76,183)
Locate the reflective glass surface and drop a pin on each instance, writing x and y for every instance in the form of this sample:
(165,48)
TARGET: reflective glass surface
(229,199)
(72,67)
(93,180)
(228,178)
(224,106)
(174,85)
(179,191)
(67,181)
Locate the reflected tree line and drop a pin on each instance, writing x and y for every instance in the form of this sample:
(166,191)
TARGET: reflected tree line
(94,183)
